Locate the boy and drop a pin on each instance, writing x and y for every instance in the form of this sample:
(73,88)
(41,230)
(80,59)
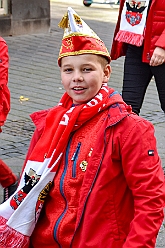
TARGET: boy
(92,177)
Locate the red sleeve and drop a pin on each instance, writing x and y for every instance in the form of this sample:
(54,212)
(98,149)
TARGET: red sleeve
(4,91)
(145,177)
(161,40)
(7,177)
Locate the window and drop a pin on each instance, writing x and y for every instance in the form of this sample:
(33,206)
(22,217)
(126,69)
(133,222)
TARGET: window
(3,7)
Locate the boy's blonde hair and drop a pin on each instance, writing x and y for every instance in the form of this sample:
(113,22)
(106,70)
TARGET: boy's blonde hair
(102,60)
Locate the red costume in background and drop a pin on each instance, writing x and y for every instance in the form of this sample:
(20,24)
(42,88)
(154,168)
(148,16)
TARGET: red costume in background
(7,177)
(4,91)
(154,32)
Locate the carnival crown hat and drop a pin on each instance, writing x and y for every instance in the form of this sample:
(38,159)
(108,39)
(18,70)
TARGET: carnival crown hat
(79,38)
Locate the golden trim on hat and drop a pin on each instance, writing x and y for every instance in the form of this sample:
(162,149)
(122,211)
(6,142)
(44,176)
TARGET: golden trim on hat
(79,38)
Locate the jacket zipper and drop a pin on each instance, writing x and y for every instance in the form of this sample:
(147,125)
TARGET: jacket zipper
(85,201)
(74,159)
(62,193)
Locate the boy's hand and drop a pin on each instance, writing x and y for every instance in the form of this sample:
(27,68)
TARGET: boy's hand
(158,57)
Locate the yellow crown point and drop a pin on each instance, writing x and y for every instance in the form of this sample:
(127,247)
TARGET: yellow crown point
(64,22)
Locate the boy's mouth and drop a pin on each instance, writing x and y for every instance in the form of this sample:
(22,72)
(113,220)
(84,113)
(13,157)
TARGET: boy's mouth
(78,88)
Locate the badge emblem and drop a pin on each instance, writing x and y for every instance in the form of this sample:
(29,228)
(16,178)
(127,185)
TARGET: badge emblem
(134,12)
(83,165)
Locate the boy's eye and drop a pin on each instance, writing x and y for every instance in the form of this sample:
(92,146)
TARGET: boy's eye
(86,69)
(68,70)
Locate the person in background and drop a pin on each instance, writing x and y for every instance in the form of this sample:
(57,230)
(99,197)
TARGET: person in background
(92,176)
(4,90)
(140,37)
(8,179)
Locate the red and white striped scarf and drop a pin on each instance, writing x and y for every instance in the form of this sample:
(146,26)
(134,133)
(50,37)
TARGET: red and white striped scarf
(133,20)
(19,214)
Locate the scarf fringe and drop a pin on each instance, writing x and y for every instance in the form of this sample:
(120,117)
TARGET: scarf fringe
(10,238)
(130,38)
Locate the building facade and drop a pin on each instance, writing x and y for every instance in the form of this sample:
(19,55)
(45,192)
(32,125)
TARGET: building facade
(24,17)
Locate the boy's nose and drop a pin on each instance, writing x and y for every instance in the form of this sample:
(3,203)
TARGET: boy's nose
(78,77)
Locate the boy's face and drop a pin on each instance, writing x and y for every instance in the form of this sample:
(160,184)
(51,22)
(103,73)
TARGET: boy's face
(82,76)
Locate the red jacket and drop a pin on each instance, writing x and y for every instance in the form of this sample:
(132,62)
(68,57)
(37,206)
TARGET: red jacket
(154,36)
(120,204)
(4,91)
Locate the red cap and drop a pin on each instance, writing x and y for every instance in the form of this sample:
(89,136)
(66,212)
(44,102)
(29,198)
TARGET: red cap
(79,38)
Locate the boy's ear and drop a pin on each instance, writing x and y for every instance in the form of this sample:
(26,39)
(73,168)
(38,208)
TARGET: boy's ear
(107,73)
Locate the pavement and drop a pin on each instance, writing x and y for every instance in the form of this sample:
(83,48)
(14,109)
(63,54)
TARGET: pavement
(34,82)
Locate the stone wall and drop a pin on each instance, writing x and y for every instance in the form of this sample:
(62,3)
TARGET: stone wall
(26,17)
